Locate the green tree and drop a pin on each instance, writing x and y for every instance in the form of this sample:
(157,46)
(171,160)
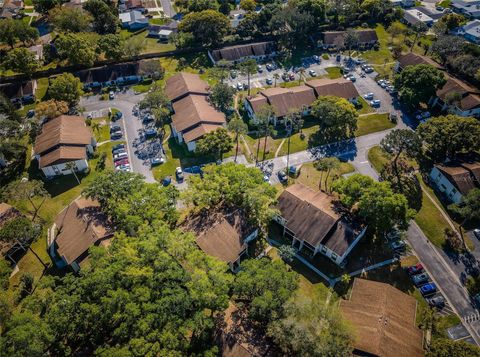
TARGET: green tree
(65,87)
(351,37)
(248,5)
(222,96)
(208,27)
(44,6)
(446,136)
(105,18)
(469,208)
(239,127)
(233,185)
(326,164)
(50,109)
(12,31)
(5,271)
(396,29)
(134,46)
(78,49)
(66,19)
(248,27)
(262,122)
(29,190)
(266,285)
(287,253)
(446,47)
(337,117)
(25,335)
(452,20)
(21,60)
(315,8)
(375,202)
(248,67)
(417,84)
(311,328)
(112,46)
(445,347)
(215,143)
(201,5)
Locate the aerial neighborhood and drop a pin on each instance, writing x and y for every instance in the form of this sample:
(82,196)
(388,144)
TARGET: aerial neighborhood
(240,178)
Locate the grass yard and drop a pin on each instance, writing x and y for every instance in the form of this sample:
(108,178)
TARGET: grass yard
(103,132)
(378,158)
(151,44)
(310,176)
(383,54)
(42,87)
(365,107)
(334,72)
(372,123)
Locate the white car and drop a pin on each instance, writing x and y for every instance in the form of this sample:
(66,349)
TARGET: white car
(368,96)
(268,81)
(312,73)
(259,69)
(120,156)
(375,103)
(111,95)
(239,86)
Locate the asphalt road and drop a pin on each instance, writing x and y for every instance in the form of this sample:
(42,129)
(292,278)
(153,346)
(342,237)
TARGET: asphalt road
(168,9)
(131,125)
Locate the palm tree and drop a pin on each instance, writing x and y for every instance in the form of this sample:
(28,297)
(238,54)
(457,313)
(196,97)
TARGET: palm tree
(248,67)
(293,118)
(276,76)
(263,117)
(95,126)
(326,164)
(238,126)
(72,167)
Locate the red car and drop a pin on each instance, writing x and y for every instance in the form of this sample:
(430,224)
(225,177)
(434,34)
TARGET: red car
(415,269)
(121,162)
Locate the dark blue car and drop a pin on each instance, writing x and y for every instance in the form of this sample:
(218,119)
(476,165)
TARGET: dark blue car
(428,289)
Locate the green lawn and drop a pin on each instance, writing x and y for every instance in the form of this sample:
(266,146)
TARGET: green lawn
(310,176)
(157,21)
(103,133)
(378,158)
(334,72)
(372,123)
(151,44)
(365,107)
(42,87)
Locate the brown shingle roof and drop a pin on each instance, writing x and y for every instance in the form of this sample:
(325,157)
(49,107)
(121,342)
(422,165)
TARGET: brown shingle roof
(364,36)
(285,99)
(235,53)
(62,154)
(459,177)
(220,234)
(412,59)
(470,95)
(383,318)
(80,225)
(340,87)
(63,130)
(193,110)
(199,131)
(7,213)
(470,101)
(182,84)
(311,216)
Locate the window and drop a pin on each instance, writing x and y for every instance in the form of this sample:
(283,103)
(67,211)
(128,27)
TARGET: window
(334,257)
(324,250)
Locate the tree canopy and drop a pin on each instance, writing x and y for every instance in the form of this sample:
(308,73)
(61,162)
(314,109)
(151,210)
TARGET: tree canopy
(233,185)
(417,84)
(446,136)
(207,27)
(215,143)
(65,87)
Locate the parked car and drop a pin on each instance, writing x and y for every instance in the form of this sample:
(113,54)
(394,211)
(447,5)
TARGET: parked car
(117,116)
(352,78)
(116,135)
(166,181)
(111,95)
(420,279)
(150,133)
(239,86)
(375,103)
(259,69)
(439,8)
(415,269)
(147,119)
(115,128)
(269,81)
(312,73)
(476,232)
(428,289)
(338,58)
(118,146)
(118,151)
(291,76)
(31,113)
(233,74)
(121,162)
(437,301)
(368,96)
(368,69)
(317,58)
(179,174)
(245,86)
(121,156)
(269,67)
(398,245)
(123,167)
(282,176)
(154,161)
(285,77)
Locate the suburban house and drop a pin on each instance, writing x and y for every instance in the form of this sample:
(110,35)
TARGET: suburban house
(412,59)
(20,93)
(64,140)
(223,235)
(193,116)
(469,8)
(236,16)
(456,178)
(133,20)
(132,5)
(471,31)
(458,98)
(163,32)
(311,220)
(259,51)
(111,75)
(383,320)
(403,3)
(414,16)
(12,9)
(301,97)
(336,39)
(78,227)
